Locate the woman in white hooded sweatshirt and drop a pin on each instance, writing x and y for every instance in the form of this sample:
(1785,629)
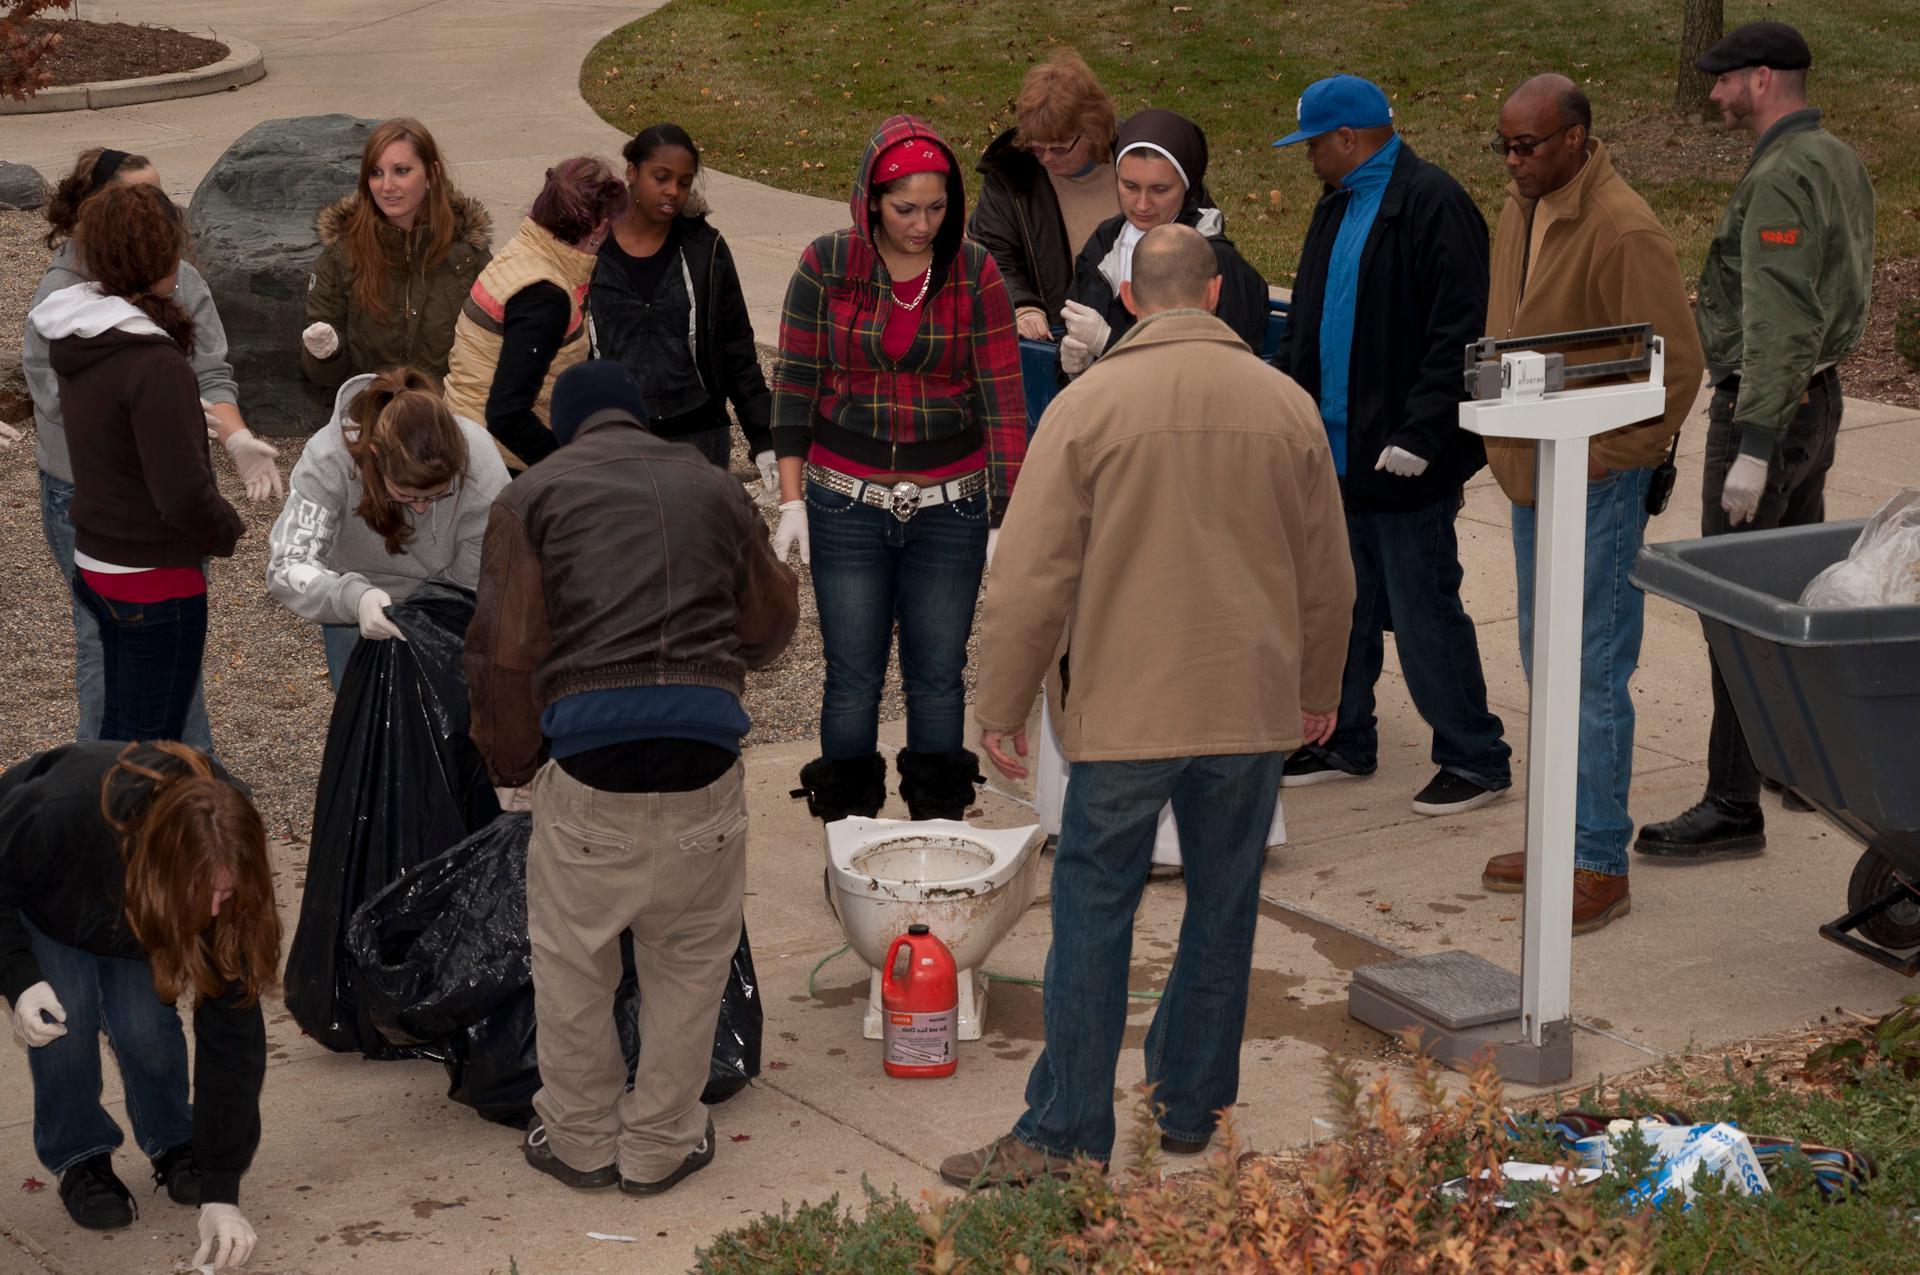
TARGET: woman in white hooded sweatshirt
(392,493)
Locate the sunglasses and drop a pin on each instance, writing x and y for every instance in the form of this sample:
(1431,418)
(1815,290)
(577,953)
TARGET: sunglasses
(1053,150)
(1501,146)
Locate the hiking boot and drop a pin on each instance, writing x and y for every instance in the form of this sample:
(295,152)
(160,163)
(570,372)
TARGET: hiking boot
(179,1173)
(697,1159)
(1598,899)
(1304,769)
(95,1197)
(1713,829)
(1006,1161)
(1790,801)
(1505,873)
(938,785)
(1183,1146)
(1450,794)
(540,1155)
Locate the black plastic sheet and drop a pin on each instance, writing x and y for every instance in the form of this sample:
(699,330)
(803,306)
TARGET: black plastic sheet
(400,782)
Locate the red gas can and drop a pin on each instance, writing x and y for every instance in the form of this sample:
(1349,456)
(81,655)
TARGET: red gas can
(922,1010)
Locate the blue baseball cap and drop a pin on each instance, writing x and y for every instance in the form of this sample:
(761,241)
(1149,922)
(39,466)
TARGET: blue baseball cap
(1340,101)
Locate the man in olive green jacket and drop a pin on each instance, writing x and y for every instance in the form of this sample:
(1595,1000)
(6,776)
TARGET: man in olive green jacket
(1783,298)
(1179,521)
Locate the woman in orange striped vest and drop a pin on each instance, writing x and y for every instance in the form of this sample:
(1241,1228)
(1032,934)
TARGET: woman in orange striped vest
(524,321)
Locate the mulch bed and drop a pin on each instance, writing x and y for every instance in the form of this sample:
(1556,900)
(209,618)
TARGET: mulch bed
(90,52)
(1875,372)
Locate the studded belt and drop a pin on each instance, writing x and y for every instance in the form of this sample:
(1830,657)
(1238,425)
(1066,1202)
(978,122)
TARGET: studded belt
(903,500)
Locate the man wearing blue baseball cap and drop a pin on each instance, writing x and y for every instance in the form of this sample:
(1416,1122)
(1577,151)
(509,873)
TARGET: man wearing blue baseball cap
(1392,286)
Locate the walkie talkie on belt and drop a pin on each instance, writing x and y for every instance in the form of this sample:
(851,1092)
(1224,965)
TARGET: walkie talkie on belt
(1660,486)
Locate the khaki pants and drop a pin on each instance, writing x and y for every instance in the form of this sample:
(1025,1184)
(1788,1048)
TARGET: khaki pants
(672,868)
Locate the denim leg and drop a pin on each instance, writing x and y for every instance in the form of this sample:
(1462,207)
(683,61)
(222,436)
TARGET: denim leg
(1613,614)
(715,444)
(1223,807)
(1435,639)
(69,1124)
(1355,745)
(153,652)
(937,586)
(152,1053)
(1099,870)
(854,563)
(339,641)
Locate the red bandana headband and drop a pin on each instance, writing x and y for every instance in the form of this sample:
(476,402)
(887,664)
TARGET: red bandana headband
(905,158)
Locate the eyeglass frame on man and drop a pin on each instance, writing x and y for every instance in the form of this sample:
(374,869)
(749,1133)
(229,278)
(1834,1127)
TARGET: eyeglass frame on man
(1500,145)
(1053,150)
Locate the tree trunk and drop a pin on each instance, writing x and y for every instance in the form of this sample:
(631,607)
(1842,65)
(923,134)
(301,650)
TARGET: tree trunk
(1700,30)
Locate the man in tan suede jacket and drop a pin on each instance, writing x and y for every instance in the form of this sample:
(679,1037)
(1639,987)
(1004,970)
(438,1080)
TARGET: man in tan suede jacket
(1178,522)
(1577,248)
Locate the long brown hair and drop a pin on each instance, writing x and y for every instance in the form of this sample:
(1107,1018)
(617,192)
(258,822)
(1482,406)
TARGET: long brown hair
(433,224)
(130,238)
(405,436)
(192,829)
(63,205)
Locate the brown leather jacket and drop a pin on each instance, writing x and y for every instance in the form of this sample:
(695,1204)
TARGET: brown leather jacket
(620,560)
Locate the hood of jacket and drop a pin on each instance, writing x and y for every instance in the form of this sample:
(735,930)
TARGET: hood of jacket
(472,223)
(82,325)
(899,128)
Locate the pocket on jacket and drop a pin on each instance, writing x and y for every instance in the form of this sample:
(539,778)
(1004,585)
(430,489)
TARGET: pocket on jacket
(722,832)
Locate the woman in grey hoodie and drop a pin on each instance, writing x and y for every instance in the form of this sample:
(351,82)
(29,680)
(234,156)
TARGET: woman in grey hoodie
(393,492)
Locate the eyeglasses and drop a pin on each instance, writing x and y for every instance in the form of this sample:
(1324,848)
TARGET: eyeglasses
(1053,150)
(404,498)
(1500,145)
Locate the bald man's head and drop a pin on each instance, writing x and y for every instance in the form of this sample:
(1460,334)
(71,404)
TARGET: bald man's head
(1173,269)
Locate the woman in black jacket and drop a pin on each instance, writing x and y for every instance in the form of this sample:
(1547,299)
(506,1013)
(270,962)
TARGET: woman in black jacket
(132,875)
(667,306)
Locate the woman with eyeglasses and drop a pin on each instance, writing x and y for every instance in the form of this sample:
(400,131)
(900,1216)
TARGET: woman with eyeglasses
(393,492)
(1046,185)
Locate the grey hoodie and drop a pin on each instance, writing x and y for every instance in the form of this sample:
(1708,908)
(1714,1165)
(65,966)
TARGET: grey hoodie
(323,557)
(210,364)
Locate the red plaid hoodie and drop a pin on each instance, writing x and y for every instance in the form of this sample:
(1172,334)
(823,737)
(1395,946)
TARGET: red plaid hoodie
(956,389)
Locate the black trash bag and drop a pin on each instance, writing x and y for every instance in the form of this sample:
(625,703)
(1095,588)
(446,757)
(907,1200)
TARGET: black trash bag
(445,966)
(399,784)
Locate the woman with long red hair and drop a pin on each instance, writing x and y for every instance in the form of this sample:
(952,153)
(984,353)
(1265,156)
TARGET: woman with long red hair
(132,875)
(396,259)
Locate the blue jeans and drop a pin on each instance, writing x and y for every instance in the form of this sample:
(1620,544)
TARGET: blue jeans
(89,677)
(869,570)
(339,641)
(150,655)
(1223,807)
(114,995)
(1406,572)
(1613,615)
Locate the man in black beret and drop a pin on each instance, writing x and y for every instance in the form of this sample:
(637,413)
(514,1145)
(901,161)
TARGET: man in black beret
(1782,300)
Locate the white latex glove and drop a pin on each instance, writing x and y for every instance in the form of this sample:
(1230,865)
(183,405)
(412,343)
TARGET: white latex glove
(8,435)
(373,616)
(512,799)
(1085,325)
(993,539)
(213,422)
(1401,463)
(792,531)
(226,1238)
(254,457)
(1740,494)
(321,340)
(28,1024)
(769,473)
(1075,357)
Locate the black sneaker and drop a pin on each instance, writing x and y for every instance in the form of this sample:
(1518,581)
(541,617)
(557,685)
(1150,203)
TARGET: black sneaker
(540,1155)
(1305,768)
(1182,1146)
(95,1197)
(1713,829)
(179,1173)
(697,1159)
(1450,794)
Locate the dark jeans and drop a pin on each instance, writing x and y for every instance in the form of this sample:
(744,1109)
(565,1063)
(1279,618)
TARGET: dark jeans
(152,656)
(869,570)
(338,640)
(1406,572)
(1795,496)
(715,444)
(1222,807)
(114,995)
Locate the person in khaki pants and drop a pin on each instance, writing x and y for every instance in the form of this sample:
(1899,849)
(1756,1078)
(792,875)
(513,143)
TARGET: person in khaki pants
(625,587)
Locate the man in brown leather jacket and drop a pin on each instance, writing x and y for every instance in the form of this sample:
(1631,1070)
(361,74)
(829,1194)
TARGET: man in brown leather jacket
(626,584)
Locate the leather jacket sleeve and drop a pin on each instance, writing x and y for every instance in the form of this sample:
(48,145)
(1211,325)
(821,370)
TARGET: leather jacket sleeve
(506,643)
(767,592)
(995,227)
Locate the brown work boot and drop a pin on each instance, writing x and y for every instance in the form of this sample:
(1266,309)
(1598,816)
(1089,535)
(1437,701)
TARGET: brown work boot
(1006,1161)
(1598,898)
(1505,873)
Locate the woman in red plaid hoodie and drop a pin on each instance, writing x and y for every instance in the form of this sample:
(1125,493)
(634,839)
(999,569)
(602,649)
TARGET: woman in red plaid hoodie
(900,425)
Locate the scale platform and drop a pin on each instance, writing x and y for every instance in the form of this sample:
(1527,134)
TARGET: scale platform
(1464,1006)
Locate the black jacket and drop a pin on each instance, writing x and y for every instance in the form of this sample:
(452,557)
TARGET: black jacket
(61,869)
(1017,219)
(1422,301)
(723,344)
(1243,293)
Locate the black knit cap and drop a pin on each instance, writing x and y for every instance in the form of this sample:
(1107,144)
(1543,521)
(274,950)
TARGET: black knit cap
(596,385)
(1770,44)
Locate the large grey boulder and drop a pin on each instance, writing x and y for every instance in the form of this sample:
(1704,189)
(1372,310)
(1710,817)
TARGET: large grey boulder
(252,222)
(21,186)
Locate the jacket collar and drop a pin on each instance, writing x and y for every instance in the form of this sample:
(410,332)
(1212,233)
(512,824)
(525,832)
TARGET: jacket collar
(1597,170)
(1801,121)
(607,417)
(1167,326)
(1396,196)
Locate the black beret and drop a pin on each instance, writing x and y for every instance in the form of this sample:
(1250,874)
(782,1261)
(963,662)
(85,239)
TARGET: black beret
(1772,44)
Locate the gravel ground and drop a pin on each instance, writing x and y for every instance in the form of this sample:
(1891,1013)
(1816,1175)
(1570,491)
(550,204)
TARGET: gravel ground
(266,678)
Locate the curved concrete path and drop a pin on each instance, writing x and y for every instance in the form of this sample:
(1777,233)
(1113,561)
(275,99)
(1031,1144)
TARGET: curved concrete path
(496,80)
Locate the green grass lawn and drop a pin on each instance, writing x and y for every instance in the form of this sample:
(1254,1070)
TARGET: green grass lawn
(788,91)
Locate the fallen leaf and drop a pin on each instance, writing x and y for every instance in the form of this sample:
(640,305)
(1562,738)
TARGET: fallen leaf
(739,1137)
(1383,907)
(1509,918)
(31,1185)
(776,1065)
